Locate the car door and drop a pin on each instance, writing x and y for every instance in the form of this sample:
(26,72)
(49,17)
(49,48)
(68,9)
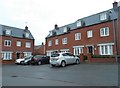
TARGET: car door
(66,57)
(71,58)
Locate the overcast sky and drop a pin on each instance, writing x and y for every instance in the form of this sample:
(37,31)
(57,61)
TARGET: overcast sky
(42,15)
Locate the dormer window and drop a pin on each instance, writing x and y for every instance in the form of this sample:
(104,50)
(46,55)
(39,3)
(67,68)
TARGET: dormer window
(8,32)
(65,29)
(27,35)
(79,23)
(103,16)
(50,33)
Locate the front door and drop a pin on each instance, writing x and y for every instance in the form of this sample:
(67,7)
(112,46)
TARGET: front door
(17,55)
(90,49)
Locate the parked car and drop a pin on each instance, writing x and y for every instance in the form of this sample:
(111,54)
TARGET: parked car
(27,60)
(24,60)
(62,59)
(40,59)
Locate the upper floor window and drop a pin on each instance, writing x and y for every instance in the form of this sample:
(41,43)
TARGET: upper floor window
(79,23)
(27,35)
(56,41)
(64,41)
(7,42)
(89,34)
(8,32)
(50,33)
(18,43)
(103,16)
(65,29)
(28,45)
(77,36)
(104,31)
(49,43)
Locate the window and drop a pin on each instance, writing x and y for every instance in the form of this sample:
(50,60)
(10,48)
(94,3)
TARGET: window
(26,54)
(28,45)
(8,32)
(103,16)
(27,35)
(7,42)
(64,41)
(79,23)
(49,43)
(78,50)
(106,49)
(89,34)
(65,29)
(77,36)
(7,55)
(56,41)
(18,43)
(104,31)
(50,33)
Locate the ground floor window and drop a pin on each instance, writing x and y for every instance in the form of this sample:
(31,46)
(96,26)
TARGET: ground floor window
(50,52)
(65,50)
(7,55)
(106,49)
(78,50)
(27,54)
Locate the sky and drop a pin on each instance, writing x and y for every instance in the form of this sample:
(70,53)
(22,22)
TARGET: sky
(41,15)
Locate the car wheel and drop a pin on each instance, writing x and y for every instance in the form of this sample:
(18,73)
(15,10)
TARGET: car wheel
(29,62)
(21,62)
(63,64)
(52,65)
(39,62)
(77,61)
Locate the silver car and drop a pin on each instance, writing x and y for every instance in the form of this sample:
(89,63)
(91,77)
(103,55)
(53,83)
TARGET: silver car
(62,59)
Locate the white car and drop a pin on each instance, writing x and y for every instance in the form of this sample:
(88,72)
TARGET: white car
(24,60)
(62,59)
(19,61)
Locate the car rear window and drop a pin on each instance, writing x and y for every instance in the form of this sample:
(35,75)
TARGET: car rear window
(55,55)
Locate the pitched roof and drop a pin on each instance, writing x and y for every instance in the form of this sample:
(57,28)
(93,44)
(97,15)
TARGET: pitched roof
(16,32)
(88,21)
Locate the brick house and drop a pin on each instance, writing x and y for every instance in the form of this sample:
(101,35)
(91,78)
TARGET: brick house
(39,49)
(15,43)
(93,34)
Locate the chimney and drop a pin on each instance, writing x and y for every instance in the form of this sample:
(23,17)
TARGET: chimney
(42,43)
(115,5)
(56,26)
(26,28)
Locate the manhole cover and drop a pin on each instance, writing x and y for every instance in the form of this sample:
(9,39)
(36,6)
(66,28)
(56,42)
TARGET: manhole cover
(14,76)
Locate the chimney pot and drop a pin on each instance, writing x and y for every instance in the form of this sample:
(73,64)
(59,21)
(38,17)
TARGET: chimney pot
(115,5)
(56,26)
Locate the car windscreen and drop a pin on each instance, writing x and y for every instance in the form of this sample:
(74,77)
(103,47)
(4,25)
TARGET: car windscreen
(55,55)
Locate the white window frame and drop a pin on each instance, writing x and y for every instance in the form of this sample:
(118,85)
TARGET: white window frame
(56,42)
(78,50)
(28,44)
(106,49)
(79,23)
(103,16)
(6,55)
(64,29)
(50,43)
(8,32)
(50,33)
(7,43)
(64,40)
(27,35)
(90,34)
(26,54)
(19,43)
(77,36)
(103,31)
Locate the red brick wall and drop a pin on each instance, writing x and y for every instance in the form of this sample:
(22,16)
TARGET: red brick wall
(15,48)
(40,51)
(96,39)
